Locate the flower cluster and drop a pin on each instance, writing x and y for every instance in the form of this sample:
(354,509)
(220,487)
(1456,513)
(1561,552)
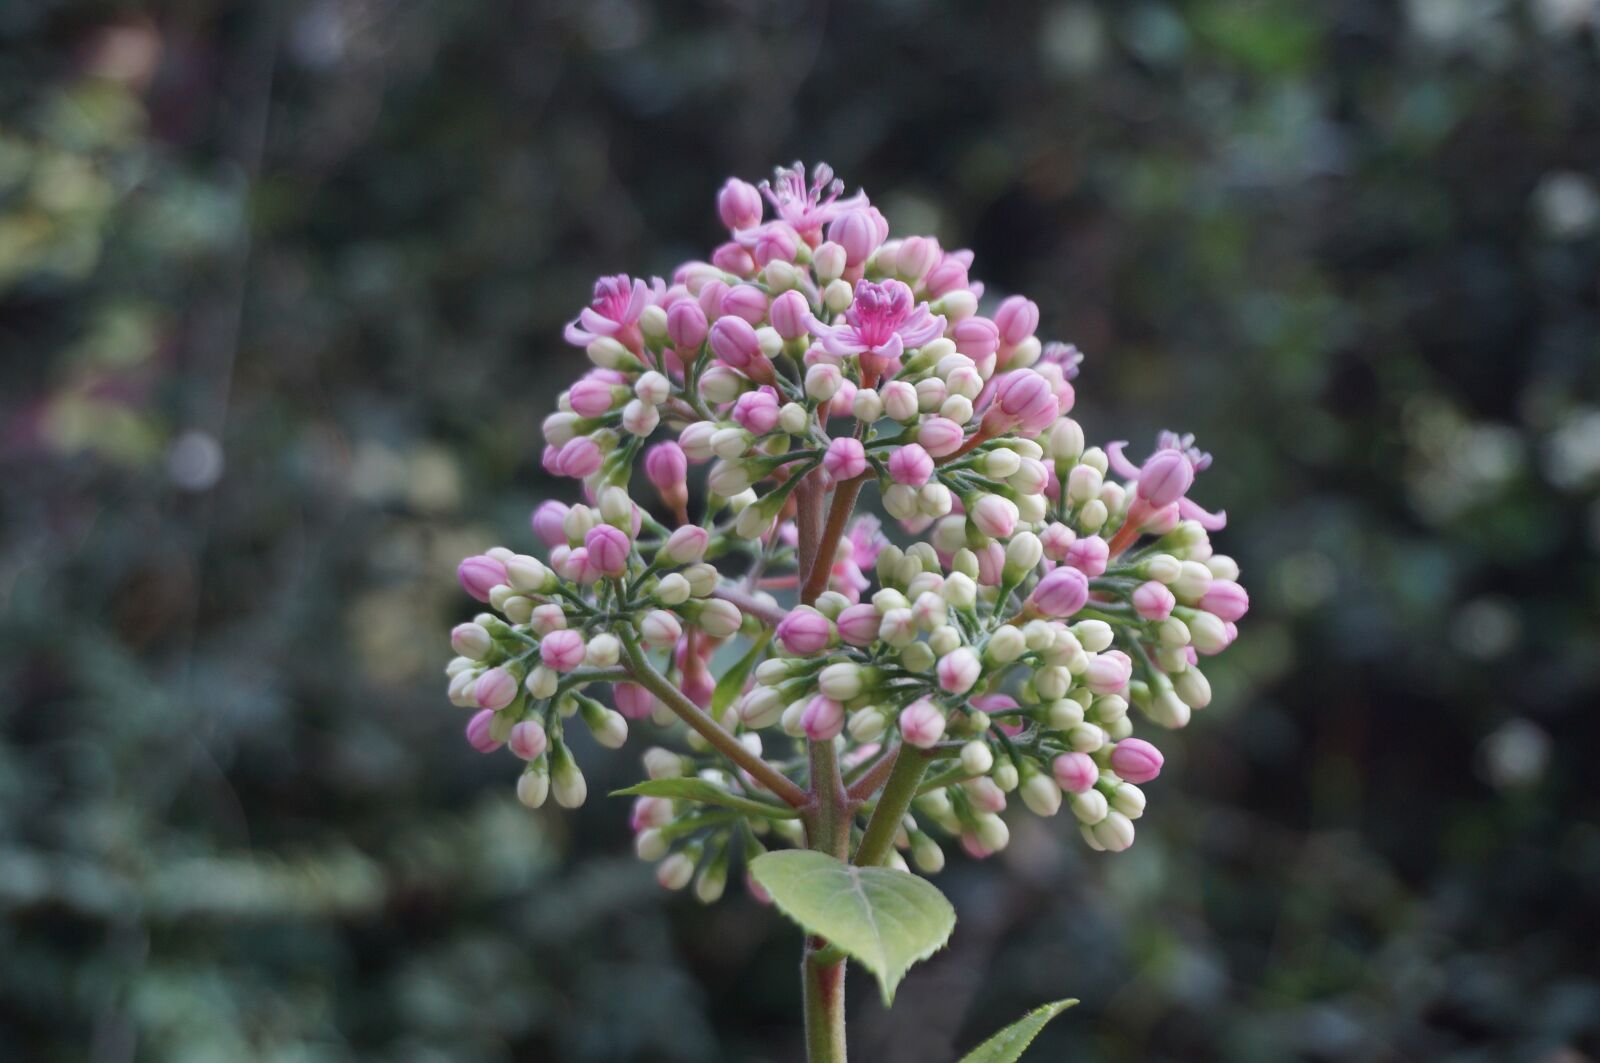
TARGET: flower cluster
(1047,587)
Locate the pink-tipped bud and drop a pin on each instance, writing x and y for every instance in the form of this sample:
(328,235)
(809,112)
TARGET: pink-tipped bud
(991,563)
(479,575)
(591,397)
(823,719)
(1153,601)
(1089,555)
(916,257)
(528,740)
(1075,773)
(608,549)
(1109,672)
(845,459)
(686,327)
(910,465)
(1057,540)
(995,516)
(1017,319)
(745,301)
(856,232)
(666,465)
(562,651)
(579,458)
(548,521)
(734,341)
(495,689)
(900,401)
(922,724)
(1136,760)
(480,732)
(858,624)
(976,337)
(1165,477)
(633,700)
(733,258)
(757,411)
(1062,592)
(959,670)
(1226,598)
(739,205)
(941,436)
(788,315)
(1022,399)
(774,244)
(804,632)
(686,545)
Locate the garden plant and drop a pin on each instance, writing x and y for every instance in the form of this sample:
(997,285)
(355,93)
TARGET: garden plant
(830,705)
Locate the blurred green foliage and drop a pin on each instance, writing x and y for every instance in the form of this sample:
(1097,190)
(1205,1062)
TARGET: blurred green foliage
(281,288)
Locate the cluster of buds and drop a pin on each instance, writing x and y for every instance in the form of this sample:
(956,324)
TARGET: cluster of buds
(1047,591)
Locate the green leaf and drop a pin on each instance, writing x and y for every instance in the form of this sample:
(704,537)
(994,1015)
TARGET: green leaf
(732,681)
(691,789)
(886,919)
(1008,1045)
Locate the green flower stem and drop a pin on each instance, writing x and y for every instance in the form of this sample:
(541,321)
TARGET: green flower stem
(827,817)
(910,765)
(645,674)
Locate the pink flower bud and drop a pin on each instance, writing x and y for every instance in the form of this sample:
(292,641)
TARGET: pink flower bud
(948,276)
(733,258)
(591,397)
(788,313)
(580,458)
(666,465)
(941,436)
(1017,319)
(1062,592)
(528,740)
(562,651)
(858,624)
(757,411)
(739,205)
(734,341)
(649,812)
(804,632)
(710,298)
(608,549)
(991,564)
(495,689)
(1057,539)
(686,327)
(1089,555)
(1225,598)
(745,301)
(479,575)
(976,337)
(1075,773)
(478,732)
(1136,760)
(547,521)
(633,700)
(916,257)
(1109,672)
(686,545)
(910,465)
(1165,478)
(774,244)
(995,517)
(922,724)
(845,459)
(1153,601)
(1022,399)
(823,719)
(857,234)
(959,670)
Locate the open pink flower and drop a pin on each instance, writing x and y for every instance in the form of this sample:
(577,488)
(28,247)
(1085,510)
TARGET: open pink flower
(882,322)
(618,302)
(1163,481)
(808,206)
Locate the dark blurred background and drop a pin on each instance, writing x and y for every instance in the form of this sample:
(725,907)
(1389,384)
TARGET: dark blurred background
(281,289)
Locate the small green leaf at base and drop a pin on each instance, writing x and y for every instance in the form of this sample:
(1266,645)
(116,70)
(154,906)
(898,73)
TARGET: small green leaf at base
(885,919)
(1008,1045)
(690,789)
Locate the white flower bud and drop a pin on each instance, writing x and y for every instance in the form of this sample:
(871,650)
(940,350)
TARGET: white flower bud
(1063,715)
(931,392)
(976,758)
(566,781)
(828,260)
(1023,553)
(1007,644)
(1193,580)
(541,682)
(917,657)
(959,591)
(958,305)
(672,590)
(1052,682)
(1114,832)
(867,725)
(602,651)
(528,574)
(728,478)
(702,579)
(675,872)
(1166,709)
(841,682)
(934,500)
(1092,517)
(1192,688)
(868,406)
(1207,633)
(927,855)
(900,501)
(761,707)
(660,628)
(793,419)
(992,832)
(609,727)
(1041,794)
(730,444)
(1066,440)
(1129,800)
(1096,636)
(945,639)
(461,690)
(899,400)
(1083,484)
(1163,568)
(650,845)
(957,408)
(607,353)
(837,296)
(639,418)
(695,440)
(1089,807)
